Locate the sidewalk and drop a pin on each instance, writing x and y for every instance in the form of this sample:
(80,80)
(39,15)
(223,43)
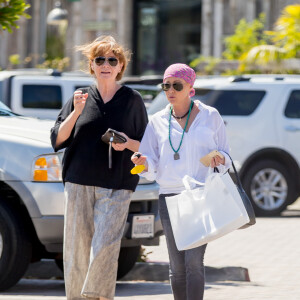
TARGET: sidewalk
(270,251)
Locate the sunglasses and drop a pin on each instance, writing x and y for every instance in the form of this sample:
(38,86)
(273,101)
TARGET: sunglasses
(176,86)
(100,60)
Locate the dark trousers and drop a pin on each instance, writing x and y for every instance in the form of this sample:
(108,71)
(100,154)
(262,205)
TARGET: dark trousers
(187,274)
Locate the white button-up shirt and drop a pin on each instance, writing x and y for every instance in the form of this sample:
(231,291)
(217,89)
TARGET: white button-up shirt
(206,133)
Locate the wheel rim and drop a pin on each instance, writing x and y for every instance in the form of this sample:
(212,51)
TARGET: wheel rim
(269,189)
(1,245)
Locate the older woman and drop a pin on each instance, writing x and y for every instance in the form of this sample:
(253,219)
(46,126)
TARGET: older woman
(97,194)
(174,141)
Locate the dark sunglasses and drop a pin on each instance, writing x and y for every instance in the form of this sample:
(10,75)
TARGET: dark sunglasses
(176,86)
(100,60)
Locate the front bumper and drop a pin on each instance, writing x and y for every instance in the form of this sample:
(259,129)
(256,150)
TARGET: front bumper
(49,222)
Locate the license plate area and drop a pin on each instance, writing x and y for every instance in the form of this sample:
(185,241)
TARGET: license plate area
(142,226)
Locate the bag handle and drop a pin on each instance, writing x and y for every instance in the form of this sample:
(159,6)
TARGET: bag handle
(186,182)
(238,180)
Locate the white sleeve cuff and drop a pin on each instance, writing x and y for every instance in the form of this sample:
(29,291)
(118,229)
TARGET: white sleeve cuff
(151,173)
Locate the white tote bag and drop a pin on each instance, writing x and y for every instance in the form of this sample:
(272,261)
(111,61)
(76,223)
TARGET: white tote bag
(205,213)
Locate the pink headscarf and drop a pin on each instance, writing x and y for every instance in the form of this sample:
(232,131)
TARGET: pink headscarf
(181,71)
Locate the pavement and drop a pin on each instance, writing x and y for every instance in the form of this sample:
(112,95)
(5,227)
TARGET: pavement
(269,251)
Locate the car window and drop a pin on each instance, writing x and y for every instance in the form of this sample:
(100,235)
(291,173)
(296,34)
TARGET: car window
(160,101)
(234,102)
(42,96)
(227,102)
(147,95)
(292,109)
(148,92)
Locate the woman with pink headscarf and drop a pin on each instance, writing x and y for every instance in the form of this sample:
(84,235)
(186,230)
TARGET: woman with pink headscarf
(174,141)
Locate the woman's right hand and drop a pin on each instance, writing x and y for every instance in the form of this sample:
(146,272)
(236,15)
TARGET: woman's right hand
(138,159)
(79,101)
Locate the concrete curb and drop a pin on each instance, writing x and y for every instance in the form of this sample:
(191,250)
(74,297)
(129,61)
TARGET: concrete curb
(150,271)
(160,272)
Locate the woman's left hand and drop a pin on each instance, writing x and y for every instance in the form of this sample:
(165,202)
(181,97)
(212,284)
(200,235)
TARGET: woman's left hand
(216,161)
(121,146)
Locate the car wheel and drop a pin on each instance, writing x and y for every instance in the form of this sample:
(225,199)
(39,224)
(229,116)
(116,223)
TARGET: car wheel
(60,264)
(127,259)
(15,248)
(270,187)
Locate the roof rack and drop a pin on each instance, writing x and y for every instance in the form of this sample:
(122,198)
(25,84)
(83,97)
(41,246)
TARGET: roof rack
(239,79)
(53,72)
(275,77)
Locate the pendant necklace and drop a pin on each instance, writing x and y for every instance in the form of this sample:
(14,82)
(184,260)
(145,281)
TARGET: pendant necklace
(176,154)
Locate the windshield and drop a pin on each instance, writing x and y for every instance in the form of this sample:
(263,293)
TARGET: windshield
(159,102)
(3,106)
(5,111)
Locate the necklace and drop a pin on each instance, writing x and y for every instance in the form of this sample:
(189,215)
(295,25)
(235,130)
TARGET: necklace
(179,118)
(176,154)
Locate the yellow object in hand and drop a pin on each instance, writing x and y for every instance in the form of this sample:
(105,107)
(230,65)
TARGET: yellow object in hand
(137,169)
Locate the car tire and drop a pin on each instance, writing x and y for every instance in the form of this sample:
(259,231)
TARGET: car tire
(127,259)
(270,187)
(15,248)
(60,264)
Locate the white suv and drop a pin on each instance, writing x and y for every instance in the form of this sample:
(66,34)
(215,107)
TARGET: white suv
(262,117)
(32,202)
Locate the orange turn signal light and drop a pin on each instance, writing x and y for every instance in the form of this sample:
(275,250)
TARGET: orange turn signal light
(40,175)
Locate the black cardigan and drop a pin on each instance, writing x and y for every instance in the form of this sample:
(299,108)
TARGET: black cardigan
(85,160)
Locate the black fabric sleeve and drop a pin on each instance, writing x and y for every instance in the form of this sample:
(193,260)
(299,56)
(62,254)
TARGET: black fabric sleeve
(140,116)
(63,114)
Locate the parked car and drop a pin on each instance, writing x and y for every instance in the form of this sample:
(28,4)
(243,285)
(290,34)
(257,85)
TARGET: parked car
(39,93)
(262,117)
(32,201)
(148,92)
(148,86)
(144,79)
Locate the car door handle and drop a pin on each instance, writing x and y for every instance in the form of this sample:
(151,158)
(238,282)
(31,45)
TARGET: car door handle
(292,128)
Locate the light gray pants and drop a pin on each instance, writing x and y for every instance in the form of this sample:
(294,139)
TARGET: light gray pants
(94,224)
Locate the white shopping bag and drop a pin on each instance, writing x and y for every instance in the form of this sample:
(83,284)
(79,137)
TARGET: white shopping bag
(205,213)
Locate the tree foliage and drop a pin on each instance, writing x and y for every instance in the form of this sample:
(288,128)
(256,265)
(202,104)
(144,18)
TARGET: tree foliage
(285,41)
(258,51)
(246,36)
(287,31)
(10,13)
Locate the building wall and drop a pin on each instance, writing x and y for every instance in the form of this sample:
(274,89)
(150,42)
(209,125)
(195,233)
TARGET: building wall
(89,19)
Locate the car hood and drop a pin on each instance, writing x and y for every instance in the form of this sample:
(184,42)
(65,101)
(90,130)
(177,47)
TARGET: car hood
(25,127)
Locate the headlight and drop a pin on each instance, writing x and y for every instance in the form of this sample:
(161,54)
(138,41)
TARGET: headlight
(47,167)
